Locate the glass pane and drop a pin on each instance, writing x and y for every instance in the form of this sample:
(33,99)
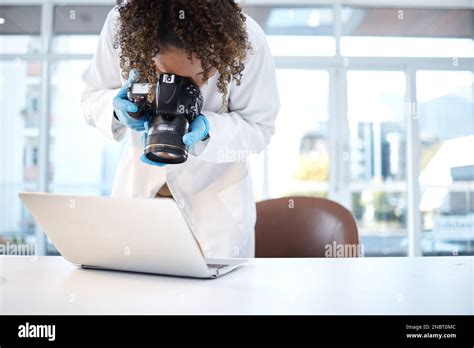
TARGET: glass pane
(296,31)
(377,157)
(84,161)
(19,146)
(298,152)
(79,44)
(446,116)
(381,218)
(407,32)
(77,28)
(375,114)
(20,28)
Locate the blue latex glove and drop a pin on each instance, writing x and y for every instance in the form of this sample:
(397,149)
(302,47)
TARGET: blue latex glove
(122,105)
(198,130)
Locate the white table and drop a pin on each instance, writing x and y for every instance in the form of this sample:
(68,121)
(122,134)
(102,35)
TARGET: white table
(425,285)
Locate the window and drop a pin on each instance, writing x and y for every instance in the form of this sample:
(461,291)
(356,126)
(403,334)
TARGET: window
(341,132)
(407,32)
(20,28)
(18,148)
(296,31)
(77,28)
(83,160)
(378,168)
(298,155)
(446,117)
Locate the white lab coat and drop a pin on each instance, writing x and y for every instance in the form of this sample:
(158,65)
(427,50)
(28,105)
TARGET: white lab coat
(213,187)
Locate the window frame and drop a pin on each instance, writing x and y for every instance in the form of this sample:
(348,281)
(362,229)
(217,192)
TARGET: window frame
(337,66)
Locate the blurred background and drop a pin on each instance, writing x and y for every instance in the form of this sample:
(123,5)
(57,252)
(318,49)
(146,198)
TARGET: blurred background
(377,114)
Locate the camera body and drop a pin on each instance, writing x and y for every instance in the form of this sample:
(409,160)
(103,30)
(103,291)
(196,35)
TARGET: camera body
(177,102)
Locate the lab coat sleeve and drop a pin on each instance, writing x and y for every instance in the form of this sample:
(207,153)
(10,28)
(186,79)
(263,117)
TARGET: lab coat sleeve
(254,105)
(102,83)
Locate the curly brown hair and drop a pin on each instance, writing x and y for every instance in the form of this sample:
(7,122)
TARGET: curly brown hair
(213,30)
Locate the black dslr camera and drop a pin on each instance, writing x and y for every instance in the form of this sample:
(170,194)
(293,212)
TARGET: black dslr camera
(177,102)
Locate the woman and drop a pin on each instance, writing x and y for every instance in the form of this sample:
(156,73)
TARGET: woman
(227,55)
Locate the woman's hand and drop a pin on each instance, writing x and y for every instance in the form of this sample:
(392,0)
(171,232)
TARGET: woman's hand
(199,130)
(122,106)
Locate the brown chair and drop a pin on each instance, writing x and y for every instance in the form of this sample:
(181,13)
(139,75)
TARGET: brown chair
(304,227)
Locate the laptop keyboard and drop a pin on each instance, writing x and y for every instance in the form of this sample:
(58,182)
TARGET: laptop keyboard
(216,265)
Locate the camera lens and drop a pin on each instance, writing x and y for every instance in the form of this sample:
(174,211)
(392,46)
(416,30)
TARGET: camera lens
(166,153)
(165,140)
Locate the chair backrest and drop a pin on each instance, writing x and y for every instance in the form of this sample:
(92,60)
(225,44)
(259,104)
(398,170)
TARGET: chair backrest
(304,227)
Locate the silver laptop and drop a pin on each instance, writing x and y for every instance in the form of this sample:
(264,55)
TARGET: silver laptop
(128,234)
